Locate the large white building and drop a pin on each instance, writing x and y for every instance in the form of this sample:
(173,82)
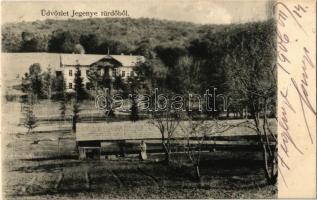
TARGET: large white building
(118,65)
(14,65)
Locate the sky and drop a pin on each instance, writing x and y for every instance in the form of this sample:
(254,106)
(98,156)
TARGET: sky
(196,11)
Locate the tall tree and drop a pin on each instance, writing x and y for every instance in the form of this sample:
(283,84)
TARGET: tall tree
(76,110)
(36,80)
(80,94)
(29,42)
(80,91)
(30,121)
(90,43)
(170,55)
(252,72)
(63,102)
(167,120)
(133,88)
(61,42)
(48,83)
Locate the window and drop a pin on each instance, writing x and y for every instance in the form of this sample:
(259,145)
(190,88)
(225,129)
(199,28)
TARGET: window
(132,73)
(128,74)
(59,73)
(123,73)
(70,73)
(70,85)
(116,72)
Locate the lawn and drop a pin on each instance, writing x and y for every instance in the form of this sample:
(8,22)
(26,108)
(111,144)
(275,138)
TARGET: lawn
(130,178)
(35,171)
(46,170)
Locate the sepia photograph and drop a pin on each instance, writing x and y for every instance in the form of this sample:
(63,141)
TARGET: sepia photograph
(140,99)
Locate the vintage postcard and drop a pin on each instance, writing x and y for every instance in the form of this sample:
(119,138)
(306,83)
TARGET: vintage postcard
(155,99)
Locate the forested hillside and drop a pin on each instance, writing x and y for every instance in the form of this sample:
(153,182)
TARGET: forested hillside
(119,35)
(123,34)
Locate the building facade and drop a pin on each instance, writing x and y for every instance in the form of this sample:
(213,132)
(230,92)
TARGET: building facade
(15,65)
(115,65)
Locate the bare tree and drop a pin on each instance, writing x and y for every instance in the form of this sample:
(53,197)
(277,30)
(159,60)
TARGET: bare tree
(253,75)
(166,120)
(197,132)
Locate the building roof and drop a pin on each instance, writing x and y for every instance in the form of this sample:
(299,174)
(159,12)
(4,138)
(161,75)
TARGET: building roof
(115,131)
(88,59)
(127,130)
(128,60)
(80,59)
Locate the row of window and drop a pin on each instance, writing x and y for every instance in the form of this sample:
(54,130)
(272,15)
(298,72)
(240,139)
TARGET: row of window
(70,72)
(88,86)
(116,73)
(128,74)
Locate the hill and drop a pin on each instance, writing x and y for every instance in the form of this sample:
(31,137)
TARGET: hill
(119,35)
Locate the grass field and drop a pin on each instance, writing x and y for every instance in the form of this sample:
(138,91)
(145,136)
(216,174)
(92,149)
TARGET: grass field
(46,170)
(130,178)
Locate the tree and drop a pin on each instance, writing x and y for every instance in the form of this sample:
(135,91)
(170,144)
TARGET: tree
(48,83)
(61,42)
(57,87)
(152,74)
(170,55)
(94,76)
(133,88)
(35,69)
(79,49)
(30,121)
(101,81)
(29,43)
(80,92)
(36,80)
(209,51)
(197,129)
(252,71)
(90,43)
(166,120)
(119,84)
(76,110)
(134,115)
(145,48)
(63,102)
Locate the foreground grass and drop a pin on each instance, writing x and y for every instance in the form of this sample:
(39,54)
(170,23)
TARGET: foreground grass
(231,177)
